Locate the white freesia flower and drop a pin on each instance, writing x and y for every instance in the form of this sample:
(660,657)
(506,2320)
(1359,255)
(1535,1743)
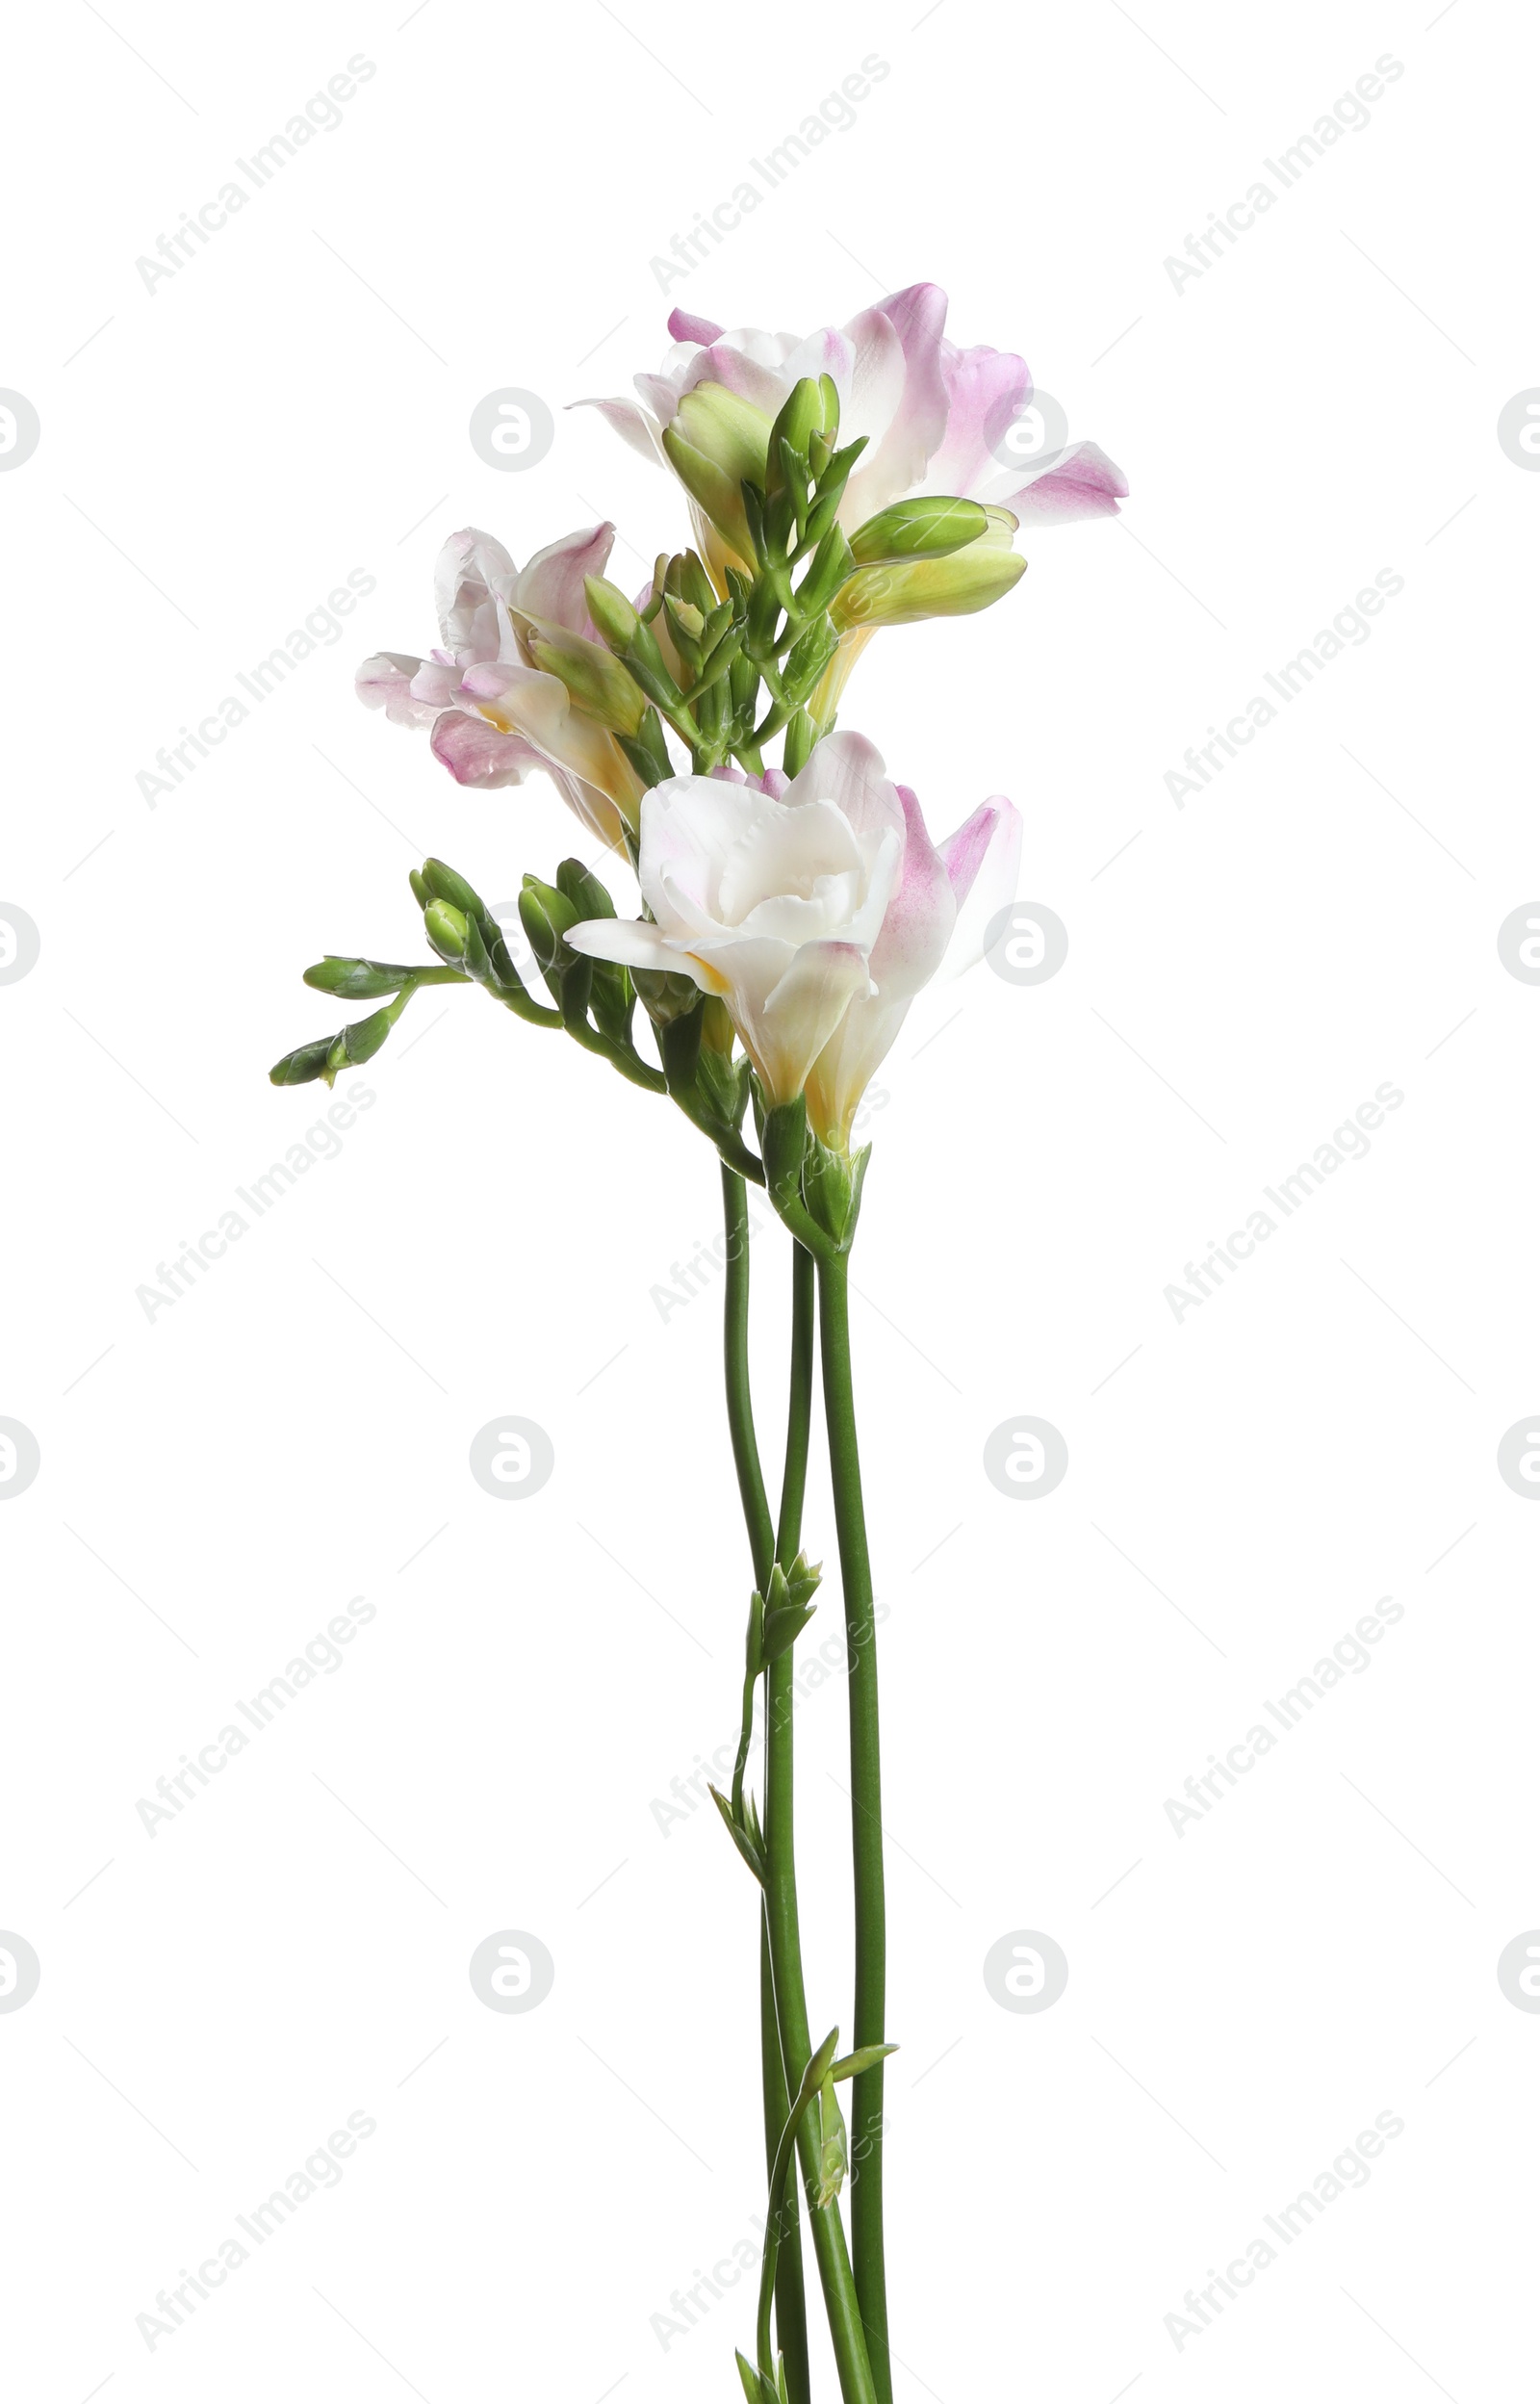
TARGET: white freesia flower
(815,913)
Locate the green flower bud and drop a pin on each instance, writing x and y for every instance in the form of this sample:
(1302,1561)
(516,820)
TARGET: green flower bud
(356,980)
(599,685)
(731,433)
(612,613)
(546,914)
(448,930)
(304,1065)
(917,590)
(419,884)
(445,884)
(801,418)
(918,530)
(713,491)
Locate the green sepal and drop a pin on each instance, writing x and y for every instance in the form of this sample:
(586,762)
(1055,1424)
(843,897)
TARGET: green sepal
(782,1629)
(356,980)
(666,997)
(679,1044)
(754,1653)
(360,1041)
(864,2057)
(782,1141)
(803,1578)
(834,2144)
(420,888)
(749,1840)
(725,1083)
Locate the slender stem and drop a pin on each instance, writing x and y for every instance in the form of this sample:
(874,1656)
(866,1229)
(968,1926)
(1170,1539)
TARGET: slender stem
(791,2310)
(856,2382)
(736,1368)
(866,1816)
(780,1868)
(791,2299)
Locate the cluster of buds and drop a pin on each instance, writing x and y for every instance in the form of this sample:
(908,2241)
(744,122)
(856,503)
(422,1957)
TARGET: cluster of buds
(752,634)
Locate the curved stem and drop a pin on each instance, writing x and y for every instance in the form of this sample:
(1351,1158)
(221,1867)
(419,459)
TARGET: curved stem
(866,1816)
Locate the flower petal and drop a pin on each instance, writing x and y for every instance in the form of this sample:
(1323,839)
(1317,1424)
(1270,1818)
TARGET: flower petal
(983,861)
(629,941)
(480,755)
(1082,482)
(551,584)
(687,328)
(632,425)
(385,682)
(471,574)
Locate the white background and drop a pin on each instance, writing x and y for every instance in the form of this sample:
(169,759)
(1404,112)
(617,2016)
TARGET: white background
(216,455)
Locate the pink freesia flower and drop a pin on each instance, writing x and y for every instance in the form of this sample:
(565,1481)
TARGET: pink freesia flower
(816,913)
(494,716)
(935,417)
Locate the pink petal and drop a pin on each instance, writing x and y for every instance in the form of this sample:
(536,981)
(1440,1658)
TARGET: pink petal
(472,573)
(1082,482)
(986,390)
(983,861)
(551,586)
(687,328)
(920,916)
(385,682)
(476,753)
(631,423)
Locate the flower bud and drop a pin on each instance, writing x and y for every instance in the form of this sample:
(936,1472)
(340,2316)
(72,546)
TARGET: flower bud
(924,528)
(802,417)
(448,930)
(356,980)
(712,491)
(545,913)
(445,884)
(611,612)
(303,1066)
(906,594)
(729,431)
(599,685)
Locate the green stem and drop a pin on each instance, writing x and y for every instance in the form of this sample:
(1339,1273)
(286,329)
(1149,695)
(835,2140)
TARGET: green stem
(866,1816)
(735,1370)
(856,2382)
(780,1865)
(791,2310)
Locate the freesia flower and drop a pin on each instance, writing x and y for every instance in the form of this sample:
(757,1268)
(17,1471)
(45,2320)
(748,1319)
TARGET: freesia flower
(815,913)
(935,417)
(495,711)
